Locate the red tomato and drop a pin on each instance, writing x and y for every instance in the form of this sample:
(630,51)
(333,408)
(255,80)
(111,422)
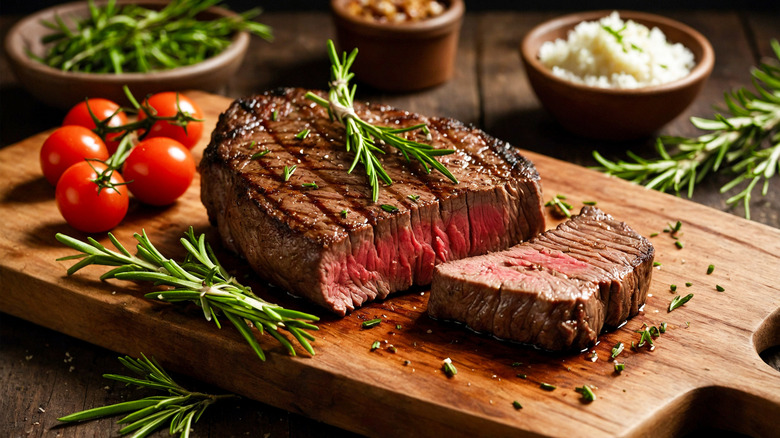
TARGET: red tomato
(67,146)
(165,105)
(159,170)
(102,109)
(83,207)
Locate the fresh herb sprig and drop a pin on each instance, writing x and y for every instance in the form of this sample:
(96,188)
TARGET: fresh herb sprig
(746,143)
(363,137)
(199,279)
(181,408)
(131,38)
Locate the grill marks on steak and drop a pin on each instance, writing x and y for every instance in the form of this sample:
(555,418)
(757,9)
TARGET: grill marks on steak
(298,237)
(556,291)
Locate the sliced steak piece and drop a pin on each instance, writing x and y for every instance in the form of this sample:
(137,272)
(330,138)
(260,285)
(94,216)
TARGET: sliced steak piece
(332,244)
(556,291)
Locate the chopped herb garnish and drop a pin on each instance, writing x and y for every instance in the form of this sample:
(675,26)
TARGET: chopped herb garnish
(274,115)
(673,287)
(516,404)
(303,134)
(654,331)
(522,376)
(678,301)
(414,197)
(710,269)
(656,264)
(448,368)
(587,393)
(398,327)
(617,349)
(687,324)
(547,386)
(371,323)
(560,206)
(676,227)
(719,288)
(375,345)
(646,338)
(637,48)
(688,284)
(391,348)
(662,328)
(559,196)
(389,208)
(663,66)
(311,185)
(344,212)
(653,234)
(588,202)
(619,367)
(260,154)
(252,144)
(288,171)
(678,244)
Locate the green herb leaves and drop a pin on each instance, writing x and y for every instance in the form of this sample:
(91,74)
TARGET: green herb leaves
(448,368)
(179,407)
(678,301)
(198,279)
(362,137)
(746,144)
(131,38)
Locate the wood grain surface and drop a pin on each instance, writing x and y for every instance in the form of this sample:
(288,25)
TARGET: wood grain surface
(709,352)
(45,374)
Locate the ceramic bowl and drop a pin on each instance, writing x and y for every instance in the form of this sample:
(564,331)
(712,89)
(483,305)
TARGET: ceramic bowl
(405,56)
(615,114)
(63,89)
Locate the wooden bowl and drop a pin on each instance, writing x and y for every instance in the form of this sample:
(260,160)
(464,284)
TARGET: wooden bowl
(64,89)
(615,114)
(401,56)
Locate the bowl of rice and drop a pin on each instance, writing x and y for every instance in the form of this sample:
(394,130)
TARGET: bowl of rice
(616,75)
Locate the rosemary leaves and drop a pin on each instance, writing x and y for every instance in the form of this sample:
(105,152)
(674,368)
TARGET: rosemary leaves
(199,279)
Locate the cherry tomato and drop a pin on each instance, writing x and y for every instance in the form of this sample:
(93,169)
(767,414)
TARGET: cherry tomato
(82,206)
(67,146)
(165,105)
(159,170)
(102,109)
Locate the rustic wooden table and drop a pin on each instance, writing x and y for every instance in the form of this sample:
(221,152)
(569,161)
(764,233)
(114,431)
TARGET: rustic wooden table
(39,368)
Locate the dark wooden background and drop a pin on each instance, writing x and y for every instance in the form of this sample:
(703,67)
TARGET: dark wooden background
(44,374)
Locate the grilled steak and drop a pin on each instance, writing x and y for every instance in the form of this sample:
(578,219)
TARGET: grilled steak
(332,244)
(555,291)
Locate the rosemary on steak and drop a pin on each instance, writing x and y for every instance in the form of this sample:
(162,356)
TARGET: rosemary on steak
(131,38)
(180,408)
(745,143)
(199,279)
(362,137)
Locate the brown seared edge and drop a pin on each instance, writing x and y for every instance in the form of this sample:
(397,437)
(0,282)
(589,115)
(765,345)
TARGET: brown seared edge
(287,232)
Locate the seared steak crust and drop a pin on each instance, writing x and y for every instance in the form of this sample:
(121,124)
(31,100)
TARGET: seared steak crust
(333,245)
(556,291)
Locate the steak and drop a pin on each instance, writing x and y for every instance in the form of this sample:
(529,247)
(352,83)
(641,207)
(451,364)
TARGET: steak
(331,243)
(556,291)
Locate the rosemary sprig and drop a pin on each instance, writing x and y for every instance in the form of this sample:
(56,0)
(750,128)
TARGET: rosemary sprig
(747,144)
(199,279)
(362,137)
(180,407)
(131,38)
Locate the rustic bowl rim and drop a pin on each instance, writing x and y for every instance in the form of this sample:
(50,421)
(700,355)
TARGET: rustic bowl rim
(443,22)
(15,48)
(700,71)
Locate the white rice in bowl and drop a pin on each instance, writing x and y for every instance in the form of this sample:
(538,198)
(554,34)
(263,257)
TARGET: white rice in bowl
(612,53)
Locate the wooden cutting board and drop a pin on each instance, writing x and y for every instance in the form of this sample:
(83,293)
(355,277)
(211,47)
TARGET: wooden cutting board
(705,370)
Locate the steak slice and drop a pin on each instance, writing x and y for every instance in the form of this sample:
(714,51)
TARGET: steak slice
(556,291)
(332,244)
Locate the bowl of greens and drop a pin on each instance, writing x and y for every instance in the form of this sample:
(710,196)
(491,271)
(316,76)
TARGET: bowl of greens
(66,53)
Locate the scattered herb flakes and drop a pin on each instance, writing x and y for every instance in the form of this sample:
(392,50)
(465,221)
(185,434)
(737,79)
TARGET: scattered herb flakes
(448,368)
(252,144)
(559,196)
(522,376)
(662,328)
(688,284)
(676,227)
(653,234)
(710,269)
(371,323)
(619,367)
(303,134)
(414,197)
(587,393)
(375,345)
(654,331)
(288,171)
(311,185)
(617,349)
(719,288)
(260,154)
(389,208)
(398,327)
(687,324)
(391,348)
(655,264)
(673,287)
(678,301)
(559,206)
(588,202)
(547,386)
(678,244)
(344,212)
(645,339)
(516,404)
(275,115)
